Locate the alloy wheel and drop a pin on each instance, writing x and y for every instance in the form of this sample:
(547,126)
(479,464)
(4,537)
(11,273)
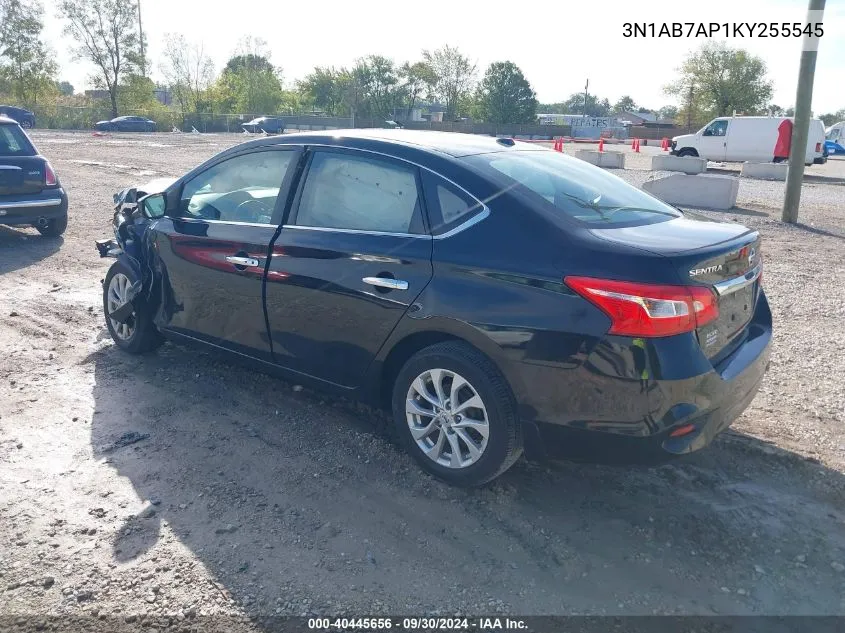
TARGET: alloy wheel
(447,418)
(118,291)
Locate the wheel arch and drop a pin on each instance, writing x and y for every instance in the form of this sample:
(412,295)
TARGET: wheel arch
(408,342)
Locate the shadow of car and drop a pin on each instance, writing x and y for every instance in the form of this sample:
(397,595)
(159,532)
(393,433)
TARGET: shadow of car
(126,124)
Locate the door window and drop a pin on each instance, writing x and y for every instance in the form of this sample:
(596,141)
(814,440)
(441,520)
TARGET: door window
(717,128)
(240,189)
(344,191)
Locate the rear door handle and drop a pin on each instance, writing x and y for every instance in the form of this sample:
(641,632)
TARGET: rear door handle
(243,261)
(386,282)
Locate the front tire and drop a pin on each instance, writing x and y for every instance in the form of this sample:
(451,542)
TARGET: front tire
(456,414)
(137,334)
(687,151)
(54,227)
(27,124)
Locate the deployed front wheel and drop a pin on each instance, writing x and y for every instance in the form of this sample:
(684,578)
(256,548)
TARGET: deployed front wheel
(132,327)
(456,414)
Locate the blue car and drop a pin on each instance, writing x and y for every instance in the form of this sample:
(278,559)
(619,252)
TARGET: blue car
(126,124)
(24,118)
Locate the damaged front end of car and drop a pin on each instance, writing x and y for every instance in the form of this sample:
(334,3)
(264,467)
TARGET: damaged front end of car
(130,244)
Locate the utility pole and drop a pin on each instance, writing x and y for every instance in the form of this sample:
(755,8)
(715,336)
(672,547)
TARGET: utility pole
(585,97)
(801,124)
(141,35)
(689,107)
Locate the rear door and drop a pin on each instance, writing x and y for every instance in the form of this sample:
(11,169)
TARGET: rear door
(21,171)
(213,249)
(353,256)
(714,140)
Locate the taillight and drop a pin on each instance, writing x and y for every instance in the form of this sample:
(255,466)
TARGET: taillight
(648,310)
(50,176)
(818,147)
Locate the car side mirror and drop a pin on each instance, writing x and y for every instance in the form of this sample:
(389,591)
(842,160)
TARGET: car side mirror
(153,206)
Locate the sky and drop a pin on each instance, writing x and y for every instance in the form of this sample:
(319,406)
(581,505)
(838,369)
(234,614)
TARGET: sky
(558,44)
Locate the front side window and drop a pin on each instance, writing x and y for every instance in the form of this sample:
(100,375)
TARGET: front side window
(240,189)
(344,191)
(572,188)
(717,128)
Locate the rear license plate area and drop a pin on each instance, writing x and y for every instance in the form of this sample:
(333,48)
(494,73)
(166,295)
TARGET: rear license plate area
(736,309)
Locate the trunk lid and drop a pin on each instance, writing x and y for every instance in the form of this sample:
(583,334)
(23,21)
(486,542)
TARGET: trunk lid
(21,175)
(727,258)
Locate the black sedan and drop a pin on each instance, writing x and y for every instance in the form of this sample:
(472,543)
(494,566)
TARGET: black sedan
(30,191)
(25,118)
(126,124)
(497,297)
(266,124)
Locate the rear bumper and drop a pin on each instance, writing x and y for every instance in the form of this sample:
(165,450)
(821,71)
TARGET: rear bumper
(28,209)
(677,391)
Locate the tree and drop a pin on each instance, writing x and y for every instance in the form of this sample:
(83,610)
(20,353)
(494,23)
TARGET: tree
(106,35)
(26,64)
(250,83)
(834,117)
(418,81)
(722,80)
(595,107)
(505,96)
(455,76)
(65,88)
(325,87)
(625,104)
(377,83)
(667,113)
(189,72)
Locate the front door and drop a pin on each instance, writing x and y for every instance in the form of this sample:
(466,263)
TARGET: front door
(714,140)
(213,249)
(351,259)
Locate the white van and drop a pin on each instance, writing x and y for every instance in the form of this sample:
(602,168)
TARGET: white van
(746,138)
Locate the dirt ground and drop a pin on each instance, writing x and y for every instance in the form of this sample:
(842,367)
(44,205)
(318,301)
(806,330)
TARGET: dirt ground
(176,485)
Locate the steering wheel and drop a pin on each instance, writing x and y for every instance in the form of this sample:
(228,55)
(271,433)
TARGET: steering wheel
(252,210)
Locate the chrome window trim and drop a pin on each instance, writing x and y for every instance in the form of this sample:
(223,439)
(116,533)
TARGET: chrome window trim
(227,222)
(328,229)
(738,283)
(472,220)
(25,204)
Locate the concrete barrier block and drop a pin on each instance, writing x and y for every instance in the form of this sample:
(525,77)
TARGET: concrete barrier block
(686,164)
(765,171)
(613,160)
(703,190)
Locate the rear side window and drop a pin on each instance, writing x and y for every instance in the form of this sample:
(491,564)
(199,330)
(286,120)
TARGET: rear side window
(572,188)
(448,206)
(345,191)
(14,142)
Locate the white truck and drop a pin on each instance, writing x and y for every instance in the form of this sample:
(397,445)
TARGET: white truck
(746,138)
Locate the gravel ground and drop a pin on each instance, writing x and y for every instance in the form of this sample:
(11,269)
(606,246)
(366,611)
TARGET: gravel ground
(168,487)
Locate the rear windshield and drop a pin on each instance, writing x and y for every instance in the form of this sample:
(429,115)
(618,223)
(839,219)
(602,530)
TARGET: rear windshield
(14,141)
(569,186)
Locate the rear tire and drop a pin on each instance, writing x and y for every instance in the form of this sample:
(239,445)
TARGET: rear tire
(462,444)
(54,228)
(27,125)
(687,151)
(139,334)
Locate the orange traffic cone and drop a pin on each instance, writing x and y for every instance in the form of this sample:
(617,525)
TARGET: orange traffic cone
(637,146)
(633,143)
(665,144)
(601,144)
(557,145)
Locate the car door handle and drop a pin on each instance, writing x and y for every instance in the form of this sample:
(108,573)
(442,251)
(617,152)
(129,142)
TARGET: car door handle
(386,282)
(243,261)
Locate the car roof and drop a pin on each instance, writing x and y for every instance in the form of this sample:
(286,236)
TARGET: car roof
(450,143)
